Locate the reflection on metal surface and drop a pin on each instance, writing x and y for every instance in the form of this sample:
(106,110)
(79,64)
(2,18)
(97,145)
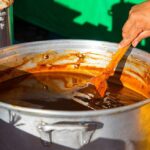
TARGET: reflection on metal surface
(145,123)
(14,119)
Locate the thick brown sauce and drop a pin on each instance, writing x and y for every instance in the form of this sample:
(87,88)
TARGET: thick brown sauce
(63,91)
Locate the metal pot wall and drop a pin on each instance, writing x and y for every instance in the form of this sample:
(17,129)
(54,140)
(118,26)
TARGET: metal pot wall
(122,128)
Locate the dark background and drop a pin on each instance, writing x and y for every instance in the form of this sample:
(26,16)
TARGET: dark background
(36,20)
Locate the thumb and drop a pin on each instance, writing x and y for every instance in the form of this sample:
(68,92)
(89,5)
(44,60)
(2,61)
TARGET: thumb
(141,36)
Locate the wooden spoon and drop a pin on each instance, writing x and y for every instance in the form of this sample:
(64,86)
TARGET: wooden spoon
(100,81)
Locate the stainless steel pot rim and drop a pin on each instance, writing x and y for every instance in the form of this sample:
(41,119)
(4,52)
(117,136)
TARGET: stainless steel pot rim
(44,112)
(93,44)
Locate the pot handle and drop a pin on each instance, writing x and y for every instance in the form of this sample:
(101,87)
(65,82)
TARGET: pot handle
(85,130)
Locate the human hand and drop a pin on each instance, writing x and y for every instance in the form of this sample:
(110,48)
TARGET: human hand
(5,3)
(137,27)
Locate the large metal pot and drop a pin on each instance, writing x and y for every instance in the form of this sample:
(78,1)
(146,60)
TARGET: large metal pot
(122,128)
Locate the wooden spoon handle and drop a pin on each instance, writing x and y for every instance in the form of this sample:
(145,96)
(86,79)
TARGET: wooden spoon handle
(116,58)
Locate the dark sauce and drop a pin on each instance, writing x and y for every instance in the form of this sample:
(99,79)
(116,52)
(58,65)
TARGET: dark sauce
(63,91)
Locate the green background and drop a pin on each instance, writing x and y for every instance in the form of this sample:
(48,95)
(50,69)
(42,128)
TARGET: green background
(79,19)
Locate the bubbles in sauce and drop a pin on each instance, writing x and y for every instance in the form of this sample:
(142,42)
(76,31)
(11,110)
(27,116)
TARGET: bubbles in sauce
(63,91)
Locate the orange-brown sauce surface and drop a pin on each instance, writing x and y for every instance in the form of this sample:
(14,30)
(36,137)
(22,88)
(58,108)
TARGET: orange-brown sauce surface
(63,91)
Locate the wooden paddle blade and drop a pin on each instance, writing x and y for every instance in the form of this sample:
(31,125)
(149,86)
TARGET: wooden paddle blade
(102,88)
(100,81)
(100,84)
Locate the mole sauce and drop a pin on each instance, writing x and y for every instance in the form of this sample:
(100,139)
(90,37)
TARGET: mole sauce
(63,91)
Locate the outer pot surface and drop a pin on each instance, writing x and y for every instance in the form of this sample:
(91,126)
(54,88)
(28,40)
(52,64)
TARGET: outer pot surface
(123,128)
